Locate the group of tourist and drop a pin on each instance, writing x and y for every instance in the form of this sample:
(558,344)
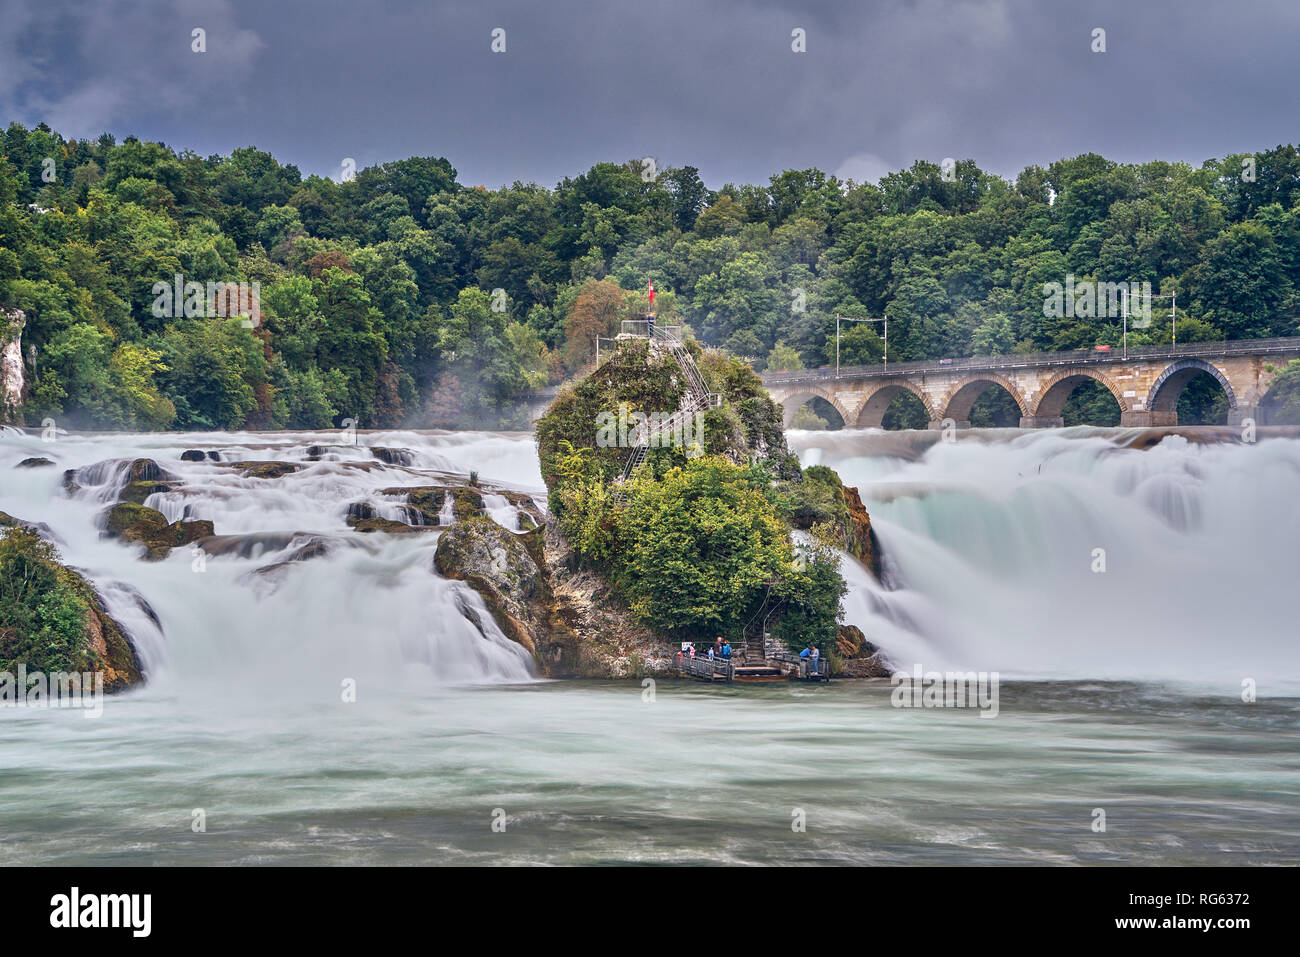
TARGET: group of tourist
(720,649)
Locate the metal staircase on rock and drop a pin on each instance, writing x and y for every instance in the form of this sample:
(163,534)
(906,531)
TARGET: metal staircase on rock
(697,399)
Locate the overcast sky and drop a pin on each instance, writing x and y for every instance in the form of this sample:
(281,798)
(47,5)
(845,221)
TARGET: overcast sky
(706,83)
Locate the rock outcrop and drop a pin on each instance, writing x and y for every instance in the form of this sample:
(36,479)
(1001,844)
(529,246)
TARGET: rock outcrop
(13,381)
(265,470)
(859,658)
(425,504)
(80,636)
(861,542)
(144,477)
(570,621)
(392,456)
(108,640)
(149,527)
(502,568)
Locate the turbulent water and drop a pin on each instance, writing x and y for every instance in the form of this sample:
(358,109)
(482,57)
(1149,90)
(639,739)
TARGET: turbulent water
(1121,688)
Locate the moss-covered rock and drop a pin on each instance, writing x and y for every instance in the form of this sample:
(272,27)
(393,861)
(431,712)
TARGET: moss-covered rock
(147,470)
(466,503)
(428,501)
(265,470)
(136,492)
(52,619)
(820,499)
(647,381)
(424,501)
(149,527)
(861,541)
(692,545)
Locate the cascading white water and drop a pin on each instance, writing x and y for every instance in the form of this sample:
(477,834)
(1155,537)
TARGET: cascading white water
(243,716)
(1064,554)
(501,511)
(370,608)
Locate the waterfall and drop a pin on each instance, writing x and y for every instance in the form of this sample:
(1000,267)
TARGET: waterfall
(1060,553)
(287,600)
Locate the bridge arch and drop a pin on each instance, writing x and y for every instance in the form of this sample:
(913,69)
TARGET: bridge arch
(1169,385)
(872,413)
(1057,389)
(795,398)
(962,399)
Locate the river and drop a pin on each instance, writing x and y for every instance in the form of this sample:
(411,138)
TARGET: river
(1121,675)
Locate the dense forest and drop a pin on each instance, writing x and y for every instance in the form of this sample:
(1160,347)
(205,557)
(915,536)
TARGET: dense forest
(401,296)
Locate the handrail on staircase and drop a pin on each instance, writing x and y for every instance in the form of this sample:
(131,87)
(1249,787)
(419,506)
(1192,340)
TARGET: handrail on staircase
(698,397)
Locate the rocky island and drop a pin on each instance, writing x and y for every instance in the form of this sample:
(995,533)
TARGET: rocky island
(692,541)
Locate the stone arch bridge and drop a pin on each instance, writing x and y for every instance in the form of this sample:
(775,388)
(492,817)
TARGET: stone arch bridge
(1146,383)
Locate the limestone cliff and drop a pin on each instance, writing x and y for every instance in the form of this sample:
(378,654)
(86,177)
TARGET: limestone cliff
(12,380)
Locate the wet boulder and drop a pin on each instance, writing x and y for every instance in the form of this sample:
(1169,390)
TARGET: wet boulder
(859,658)
(503,570)
(150,528)
(429,500)
(392,456)
(135,493)
(34,463)
(360,512)
(265,470)
(147,470)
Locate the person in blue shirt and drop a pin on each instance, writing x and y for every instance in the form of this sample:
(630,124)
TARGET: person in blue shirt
(726,650)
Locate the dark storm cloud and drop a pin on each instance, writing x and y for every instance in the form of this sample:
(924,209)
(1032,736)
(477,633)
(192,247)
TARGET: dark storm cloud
(710,84)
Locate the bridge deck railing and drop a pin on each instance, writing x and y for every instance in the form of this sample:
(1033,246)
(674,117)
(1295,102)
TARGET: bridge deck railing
(1039,359)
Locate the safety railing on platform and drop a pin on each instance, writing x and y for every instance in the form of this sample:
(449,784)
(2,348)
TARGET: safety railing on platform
(707,669)
(816,669)
(642,328)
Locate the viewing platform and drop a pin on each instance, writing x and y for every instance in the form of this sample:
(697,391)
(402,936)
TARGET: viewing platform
(770,664)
